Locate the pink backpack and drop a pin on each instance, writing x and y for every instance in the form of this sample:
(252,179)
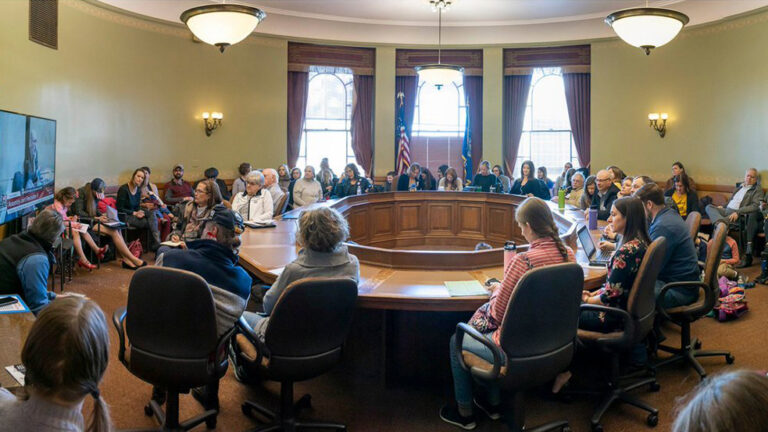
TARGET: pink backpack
(732,303)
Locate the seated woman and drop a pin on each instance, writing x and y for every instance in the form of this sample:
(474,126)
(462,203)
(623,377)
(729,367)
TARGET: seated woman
(590,188)
(295,175)
(129,202)
(485,178)
(628,220)
(255,204)
(150,199)
(321,234)
(546,248)
(283,177)
(327,178)
(412,181)
(506,182)
(451,182)
(65,356)
(87,207)
(678,169)
(577,190)
(733,401)
(306,190)
(352,184)
(626,188)
(685,199)
(617,175)
(428,181)
(187,227)
(541,174)
(62,202)
(528,185)
(239,184)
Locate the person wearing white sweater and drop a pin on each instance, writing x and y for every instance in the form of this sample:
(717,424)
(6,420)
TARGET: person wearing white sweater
(307,190)
(255,204)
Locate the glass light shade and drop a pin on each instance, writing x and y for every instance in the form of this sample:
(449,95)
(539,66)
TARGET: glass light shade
(653,116)
(206,115)
(647,28)
(217,116)
(664,116)
(440,75)
(222,25)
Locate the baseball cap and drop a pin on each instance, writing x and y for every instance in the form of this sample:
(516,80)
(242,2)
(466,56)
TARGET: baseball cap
(179,166)
(97,185)
(227,218)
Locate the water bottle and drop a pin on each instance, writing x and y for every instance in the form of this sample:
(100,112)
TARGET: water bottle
(359,189)
(561,199)
(510,250)
(493,189)
(592,218)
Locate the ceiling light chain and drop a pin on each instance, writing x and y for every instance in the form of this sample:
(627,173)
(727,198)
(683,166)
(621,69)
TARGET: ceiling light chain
(439,74)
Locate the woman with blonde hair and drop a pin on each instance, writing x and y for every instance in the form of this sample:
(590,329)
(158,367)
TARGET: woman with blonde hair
(535,220)
(283,177)
(65,357)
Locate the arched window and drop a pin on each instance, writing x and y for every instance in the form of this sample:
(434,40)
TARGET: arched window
(327,128)
(440,112)
(546,137)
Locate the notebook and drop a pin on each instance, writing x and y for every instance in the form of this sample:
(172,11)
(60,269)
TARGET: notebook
(113,221)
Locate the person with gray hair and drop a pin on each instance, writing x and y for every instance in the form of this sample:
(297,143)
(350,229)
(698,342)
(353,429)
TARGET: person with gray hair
(270,184)
(26,260)
(255,203)
(322,232)
(577,189)
(744,202)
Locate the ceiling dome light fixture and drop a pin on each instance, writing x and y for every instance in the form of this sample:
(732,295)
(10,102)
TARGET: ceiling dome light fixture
(647,28)
(222,25)
(440,74)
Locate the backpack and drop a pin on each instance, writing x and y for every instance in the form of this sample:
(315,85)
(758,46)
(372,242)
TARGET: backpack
(732,303)
(135,248)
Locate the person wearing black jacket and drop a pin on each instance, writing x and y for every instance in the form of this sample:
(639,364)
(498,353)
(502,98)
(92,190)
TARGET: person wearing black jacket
(485,179)
(129,202)
(351,183)
(528,184)
(684,200)
(213,173)
(412,181)
(605,195)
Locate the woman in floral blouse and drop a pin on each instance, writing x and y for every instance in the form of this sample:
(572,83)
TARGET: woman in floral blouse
(628,219)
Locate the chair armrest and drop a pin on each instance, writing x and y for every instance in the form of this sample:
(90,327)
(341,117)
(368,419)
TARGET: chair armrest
(118,318)
(671,285)
(626,319)
(253,338)
(498,354)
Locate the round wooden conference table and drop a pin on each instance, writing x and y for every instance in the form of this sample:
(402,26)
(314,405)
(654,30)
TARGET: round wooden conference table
(410,243)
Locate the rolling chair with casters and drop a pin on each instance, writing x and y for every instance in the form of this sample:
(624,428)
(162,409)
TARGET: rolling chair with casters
(538,338)
(637,322)
(282,204)
(303,339)
(171,327)
(709,293)
(693,221)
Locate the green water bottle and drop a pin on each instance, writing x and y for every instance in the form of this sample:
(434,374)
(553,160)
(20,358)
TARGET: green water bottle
(561,199)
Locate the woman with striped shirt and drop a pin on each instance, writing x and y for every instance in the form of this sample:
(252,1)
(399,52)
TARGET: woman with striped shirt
(546,248)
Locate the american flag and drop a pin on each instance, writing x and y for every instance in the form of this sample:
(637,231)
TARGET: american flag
(403,146)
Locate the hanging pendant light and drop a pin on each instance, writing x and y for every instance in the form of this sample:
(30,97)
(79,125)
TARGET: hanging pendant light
(440,74)
(647,28)
(222,25)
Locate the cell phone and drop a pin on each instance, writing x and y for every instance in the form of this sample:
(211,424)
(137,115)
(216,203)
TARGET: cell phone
(5,301)
(491,281)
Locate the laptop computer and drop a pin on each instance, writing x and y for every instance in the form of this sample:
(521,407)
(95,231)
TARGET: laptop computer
(112,219)
(596,256)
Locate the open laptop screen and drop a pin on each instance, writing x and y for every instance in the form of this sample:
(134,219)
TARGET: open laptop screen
(586,241)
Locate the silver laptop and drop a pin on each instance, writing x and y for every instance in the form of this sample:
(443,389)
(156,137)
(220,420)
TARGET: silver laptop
(596,256)
(113,221)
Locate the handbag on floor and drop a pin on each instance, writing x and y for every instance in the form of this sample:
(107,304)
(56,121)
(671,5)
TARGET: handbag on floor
(135,248)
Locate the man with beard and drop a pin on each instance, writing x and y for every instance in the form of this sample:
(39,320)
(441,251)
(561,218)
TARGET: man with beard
(177,190)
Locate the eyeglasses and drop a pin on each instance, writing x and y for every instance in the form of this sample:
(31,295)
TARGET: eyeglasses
(603,180)
(201,191)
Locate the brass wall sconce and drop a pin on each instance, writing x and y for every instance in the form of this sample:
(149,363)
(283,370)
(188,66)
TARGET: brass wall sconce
(653,121)
(212,121)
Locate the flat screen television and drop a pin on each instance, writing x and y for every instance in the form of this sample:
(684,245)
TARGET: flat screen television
(27,164)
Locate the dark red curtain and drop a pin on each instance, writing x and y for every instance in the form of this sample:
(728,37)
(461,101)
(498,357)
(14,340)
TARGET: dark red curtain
(298,87)
(362,122)
(577,96)
(409,86)
(516,89)
(473,93)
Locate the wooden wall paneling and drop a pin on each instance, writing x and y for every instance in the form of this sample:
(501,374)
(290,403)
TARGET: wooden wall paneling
(358,219)
(471,219)
(410,219)
(501,222)
(382,221)
(441,218)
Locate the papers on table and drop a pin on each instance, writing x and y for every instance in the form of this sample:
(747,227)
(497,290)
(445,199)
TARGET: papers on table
(269,224)
(16,307)
(465,288)
(17,372)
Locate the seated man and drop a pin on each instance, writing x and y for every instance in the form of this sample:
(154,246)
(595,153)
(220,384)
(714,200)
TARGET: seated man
(680,261)
(177,190)
(213,173)
(271,185)
(745,201)
(26,259)
(214,257)
(605,195)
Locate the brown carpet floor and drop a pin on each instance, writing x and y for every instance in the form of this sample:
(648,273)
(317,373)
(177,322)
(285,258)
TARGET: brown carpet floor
(365,405)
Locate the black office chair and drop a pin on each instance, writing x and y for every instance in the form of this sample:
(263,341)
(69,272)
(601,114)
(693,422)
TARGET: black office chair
(693,221)
(637,322)
(537,338)
(709,293)
(303,339)
(173,343)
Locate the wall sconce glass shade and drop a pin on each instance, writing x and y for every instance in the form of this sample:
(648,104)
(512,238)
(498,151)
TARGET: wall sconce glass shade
(647,28)
(660,127)
(222,25)
(211,121)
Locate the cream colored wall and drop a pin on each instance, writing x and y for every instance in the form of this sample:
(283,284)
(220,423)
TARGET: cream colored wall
(384,113)
(713,82)
(127,92)
(493,81)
